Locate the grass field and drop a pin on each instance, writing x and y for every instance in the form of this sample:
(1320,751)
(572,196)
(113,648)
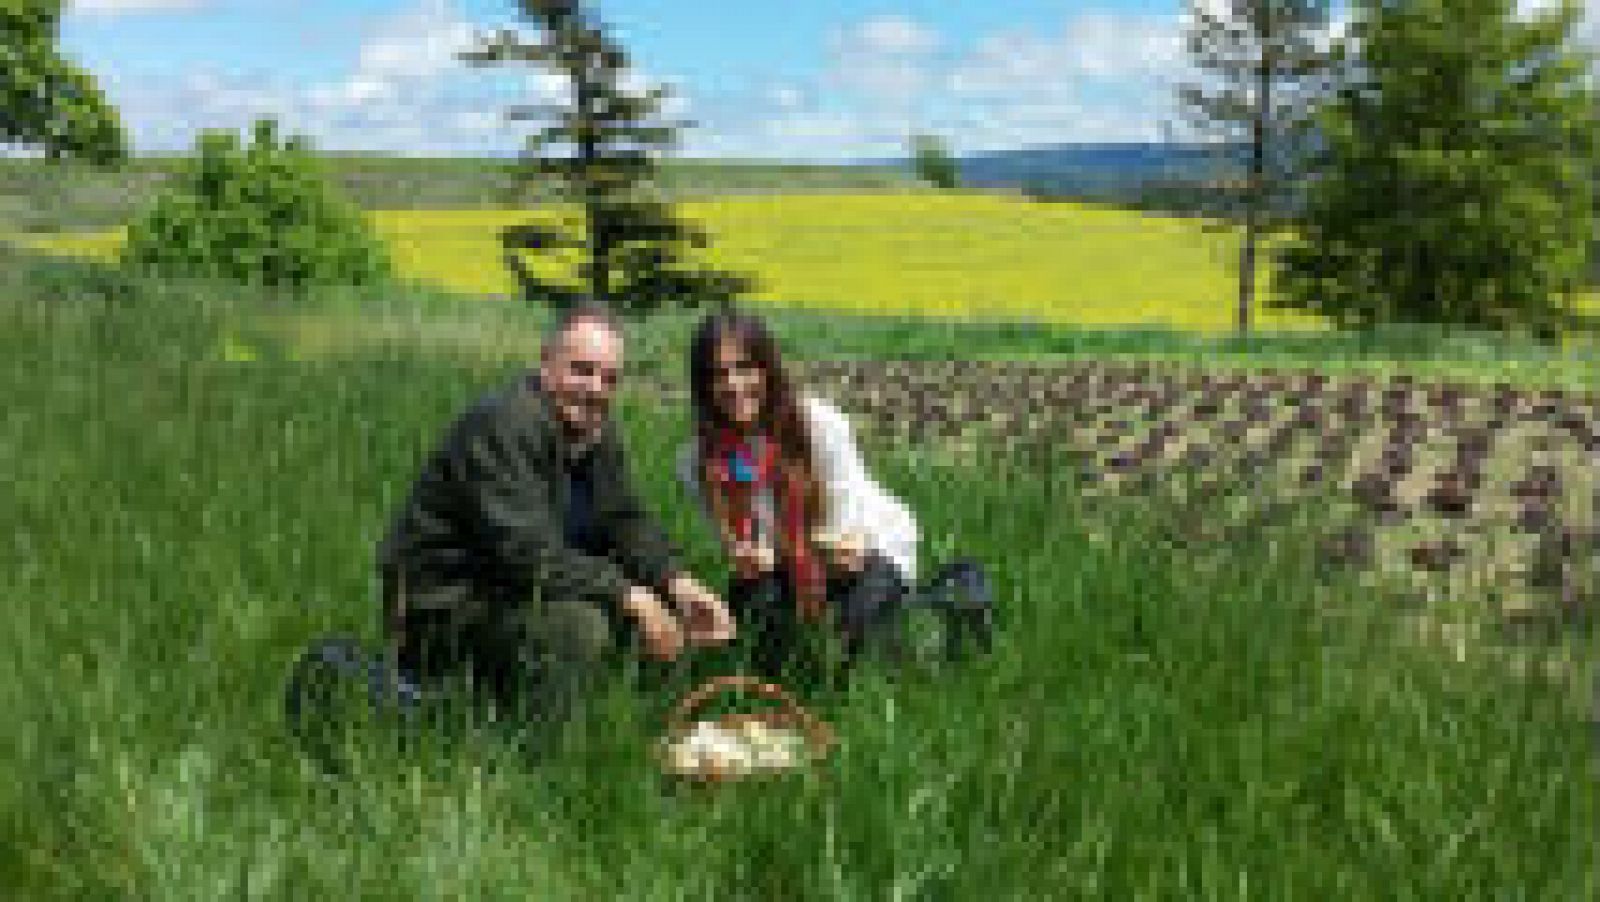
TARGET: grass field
(35,197)
(505,333)
(1154,724)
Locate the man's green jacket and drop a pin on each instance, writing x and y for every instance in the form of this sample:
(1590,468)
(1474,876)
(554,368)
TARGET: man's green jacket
(483,525)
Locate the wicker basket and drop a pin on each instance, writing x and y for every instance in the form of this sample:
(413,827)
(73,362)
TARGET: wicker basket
(818,736)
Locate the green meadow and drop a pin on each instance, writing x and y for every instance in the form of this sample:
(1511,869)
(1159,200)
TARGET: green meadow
(70,196)
(1157,722)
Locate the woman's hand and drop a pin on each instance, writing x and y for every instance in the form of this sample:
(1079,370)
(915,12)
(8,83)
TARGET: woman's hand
(751,560)
(705,618)
(846,553)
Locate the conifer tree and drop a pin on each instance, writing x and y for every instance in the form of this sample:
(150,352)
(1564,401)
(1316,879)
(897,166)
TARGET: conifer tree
(1457,182)
(631,242)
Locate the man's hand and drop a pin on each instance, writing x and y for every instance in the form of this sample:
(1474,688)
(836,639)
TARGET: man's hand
(706,619)
(663,638)
(751,560)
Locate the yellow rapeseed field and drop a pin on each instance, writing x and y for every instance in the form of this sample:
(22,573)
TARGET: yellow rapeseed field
(955,254)
(947,255)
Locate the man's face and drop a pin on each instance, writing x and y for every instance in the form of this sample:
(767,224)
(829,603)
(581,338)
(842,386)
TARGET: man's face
(579,375)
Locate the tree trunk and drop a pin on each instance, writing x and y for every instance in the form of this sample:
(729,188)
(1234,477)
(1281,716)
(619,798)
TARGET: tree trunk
(588,151)
(1254,188)
(1247,269)
(519,271)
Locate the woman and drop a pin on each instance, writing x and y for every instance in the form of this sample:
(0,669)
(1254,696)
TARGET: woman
(814,542)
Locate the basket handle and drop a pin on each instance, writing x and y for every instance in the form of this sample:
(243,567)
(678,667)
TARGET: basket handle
(679,719)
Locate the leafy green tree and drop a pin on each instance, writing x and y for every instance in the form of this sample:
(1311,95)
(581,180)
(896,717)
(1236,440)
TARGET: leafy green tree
(46,101)
(933,162)
(1456,185)
(265,214)
(1592,273)
(631,242)
(1267,65)
(1592,277)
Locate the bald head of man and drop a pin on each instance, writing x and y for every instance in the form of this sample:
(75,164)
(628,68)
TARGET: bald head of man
(580,363)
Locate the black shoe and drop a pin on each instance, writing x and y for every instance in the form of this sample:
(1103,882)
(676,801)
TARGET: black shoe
(960,592)
(327,679)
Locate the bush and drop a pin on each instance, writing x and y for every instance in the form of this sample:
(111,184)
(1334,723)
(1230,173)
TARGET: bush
(262,215)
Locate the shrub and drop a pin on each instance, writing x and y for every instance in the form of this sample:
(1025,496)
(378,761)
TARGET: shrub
(261,215)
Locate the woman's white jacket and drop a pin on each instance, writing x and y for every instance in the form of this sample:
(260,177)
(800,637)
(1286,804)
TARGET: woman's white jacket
(855,502)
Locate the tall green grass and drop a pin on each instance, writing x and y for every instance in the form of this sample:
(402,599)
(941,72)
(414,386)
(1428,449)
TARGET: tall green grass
(656,345)
(1156,723)
(507,328)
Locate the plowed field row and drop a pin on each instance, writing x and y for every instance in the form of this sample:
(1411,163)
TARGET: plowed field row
(1477,494)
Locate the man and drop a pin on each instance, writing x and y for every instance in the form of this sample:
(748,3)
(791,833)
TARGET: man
(523,554)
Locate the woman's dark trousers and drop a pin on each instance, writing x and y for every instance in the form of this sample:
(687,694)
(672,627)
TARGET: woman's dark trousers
(861,612)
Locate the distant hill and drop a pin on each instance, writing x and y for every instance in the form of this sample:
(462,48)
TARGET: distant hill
(1170,178)
(41,197)
(1112,170)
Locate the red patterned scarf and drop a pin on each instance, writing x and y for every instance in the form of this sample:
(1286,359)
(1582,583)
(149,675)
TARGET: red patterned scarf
(736,475)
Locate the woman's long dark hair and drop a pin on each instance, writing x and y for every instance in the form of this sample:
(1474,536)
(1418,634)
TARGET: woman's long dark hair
(779,419)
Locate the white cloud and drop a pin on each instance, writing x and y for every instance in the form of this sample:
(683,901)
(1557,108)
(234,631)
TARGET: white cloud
(890,35)
(1102,76)
(885,80)
(675,106)
(418,43)
(107,8)
(1005,61)
(786,97)
(886,59)
(807,126)
(1099,75)
(407,92)
(1115,45)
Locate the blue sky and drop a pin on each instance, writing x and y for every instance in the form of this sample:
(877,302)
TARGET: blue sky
(817,80)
